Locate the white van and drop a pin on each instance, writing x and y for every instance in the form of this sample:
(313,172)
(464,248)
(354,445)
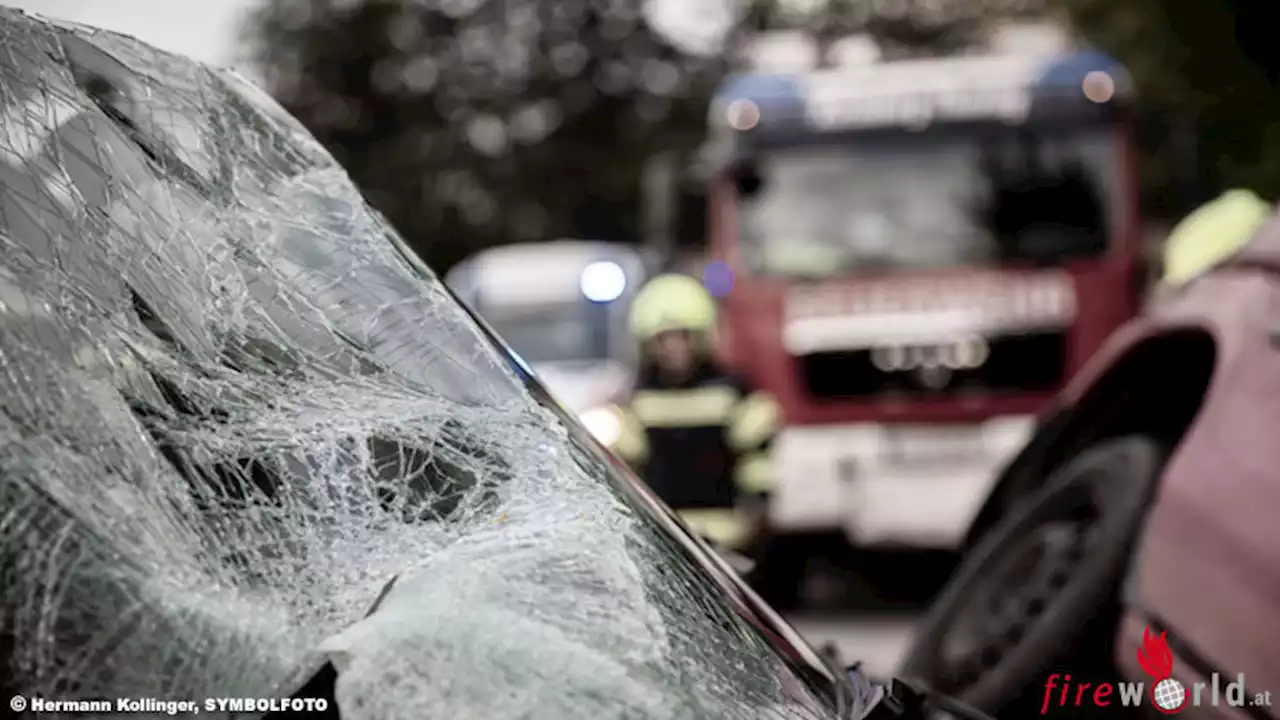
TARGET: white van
(562,307)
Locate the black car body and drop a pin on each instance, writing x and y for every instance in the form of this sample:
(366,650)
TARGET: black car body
(235,408)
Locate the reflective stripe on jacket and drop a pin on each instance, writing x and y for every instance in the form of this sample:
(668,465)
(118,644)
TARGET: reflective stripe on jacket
(725,527)
(701,445)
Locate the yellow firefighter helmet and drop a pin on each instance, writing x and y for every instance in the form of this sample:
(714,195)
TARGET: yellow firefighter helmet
(672,302)
(1214,232)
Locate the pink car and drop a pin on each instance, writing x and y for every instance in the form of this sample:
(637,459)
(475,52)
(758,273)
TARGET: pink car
(1129,558)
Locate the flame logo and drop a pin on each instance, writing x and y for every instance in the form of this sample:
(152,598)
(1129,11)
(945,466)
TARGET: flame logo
(1168,695)
(1154,656)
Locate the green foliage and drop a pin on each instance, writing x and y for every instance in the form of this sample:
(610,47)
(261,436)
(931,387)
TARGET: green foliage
(475,122)
(934,24)
(1204,62)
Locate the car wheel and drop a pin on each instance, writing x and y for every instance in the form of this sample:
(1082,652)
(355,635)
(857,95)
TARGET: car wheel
(1036,595)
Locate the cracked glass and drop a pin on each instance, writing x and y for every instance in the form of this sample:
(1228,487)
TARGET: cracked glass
(235,407)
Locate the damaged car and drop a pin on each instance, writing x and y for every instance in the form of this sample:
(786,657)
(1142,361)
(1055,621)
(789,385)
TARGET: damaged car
(1132,542)
(253,448)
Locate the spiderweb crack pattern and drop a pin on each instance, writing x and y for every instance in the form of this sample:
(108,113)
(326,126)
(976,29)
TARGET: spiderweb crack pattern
(233,406)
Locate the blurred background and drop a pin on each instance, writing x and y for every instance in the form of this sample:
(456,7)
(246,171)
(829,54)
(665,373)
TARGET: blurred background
(482,124)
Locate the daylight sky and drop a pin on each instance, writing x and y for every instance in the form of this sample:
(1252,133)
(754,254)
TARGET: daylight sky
(206,30)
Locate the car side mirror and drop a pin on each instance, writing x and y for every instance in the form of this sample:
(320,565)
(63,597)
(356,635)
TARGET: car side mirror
(746,178)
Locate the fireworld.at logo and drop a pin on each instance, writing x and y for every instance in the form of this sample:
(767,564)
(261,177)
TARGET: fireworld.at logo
(1165,693)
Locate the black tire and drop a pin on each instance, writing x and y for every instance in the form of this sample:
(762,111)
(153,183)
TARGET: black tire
(1074,625)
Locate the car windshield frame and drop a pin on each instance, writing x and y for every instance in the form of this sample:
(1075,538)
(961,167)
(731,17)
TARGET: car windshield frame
(988,147)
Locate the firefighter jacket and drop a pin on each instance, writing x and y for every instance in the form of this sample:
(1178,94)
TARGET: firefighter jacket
(702,446)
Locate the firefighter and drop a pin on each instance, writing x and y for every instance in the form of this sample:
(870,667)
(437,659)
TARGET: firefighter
(1212,233)
(698,435)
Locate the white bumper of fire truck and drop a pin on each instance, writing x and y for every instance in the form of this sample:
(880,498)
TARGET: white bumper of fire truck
(891,485)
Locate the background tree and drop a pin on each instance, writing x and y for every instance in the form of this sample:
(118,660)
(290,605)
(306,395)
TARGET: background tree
(1212,68)
(474,122)
(897,25)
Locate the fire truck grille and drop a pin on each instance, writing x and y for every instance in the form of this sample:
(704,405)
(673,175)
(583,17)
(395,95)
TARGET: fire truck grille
(1034,362)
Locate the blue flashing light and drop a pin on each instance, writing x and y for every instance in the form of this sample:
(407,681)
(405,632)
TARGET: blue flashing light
(1071,70)
(717,278)
(603,282)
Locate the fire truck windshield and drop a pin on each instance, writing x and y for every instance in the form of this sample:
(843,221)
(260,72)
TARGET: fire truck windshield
(940,197)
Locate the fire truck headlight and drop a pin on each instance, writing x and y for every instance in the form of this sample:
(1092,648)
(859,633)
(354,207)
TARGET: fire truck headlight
(603,282)
(603,424)
(970,353)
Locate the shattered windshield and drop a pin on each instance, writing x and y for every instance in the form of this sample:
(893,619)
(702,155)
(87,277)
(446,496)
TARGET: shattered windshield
(941,197)
(235,408)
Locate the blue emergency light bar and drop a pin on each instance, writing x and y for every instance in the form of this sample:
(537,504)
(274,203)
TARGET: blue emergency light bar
(1074,82)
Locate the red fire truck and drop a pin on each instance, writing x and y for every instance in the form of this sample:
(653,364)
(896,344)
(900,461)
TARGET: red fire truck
(914,255)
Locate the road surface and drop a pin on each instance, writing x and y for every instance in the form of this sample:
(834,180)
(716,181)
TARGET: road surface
(877,641)
(867,603)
